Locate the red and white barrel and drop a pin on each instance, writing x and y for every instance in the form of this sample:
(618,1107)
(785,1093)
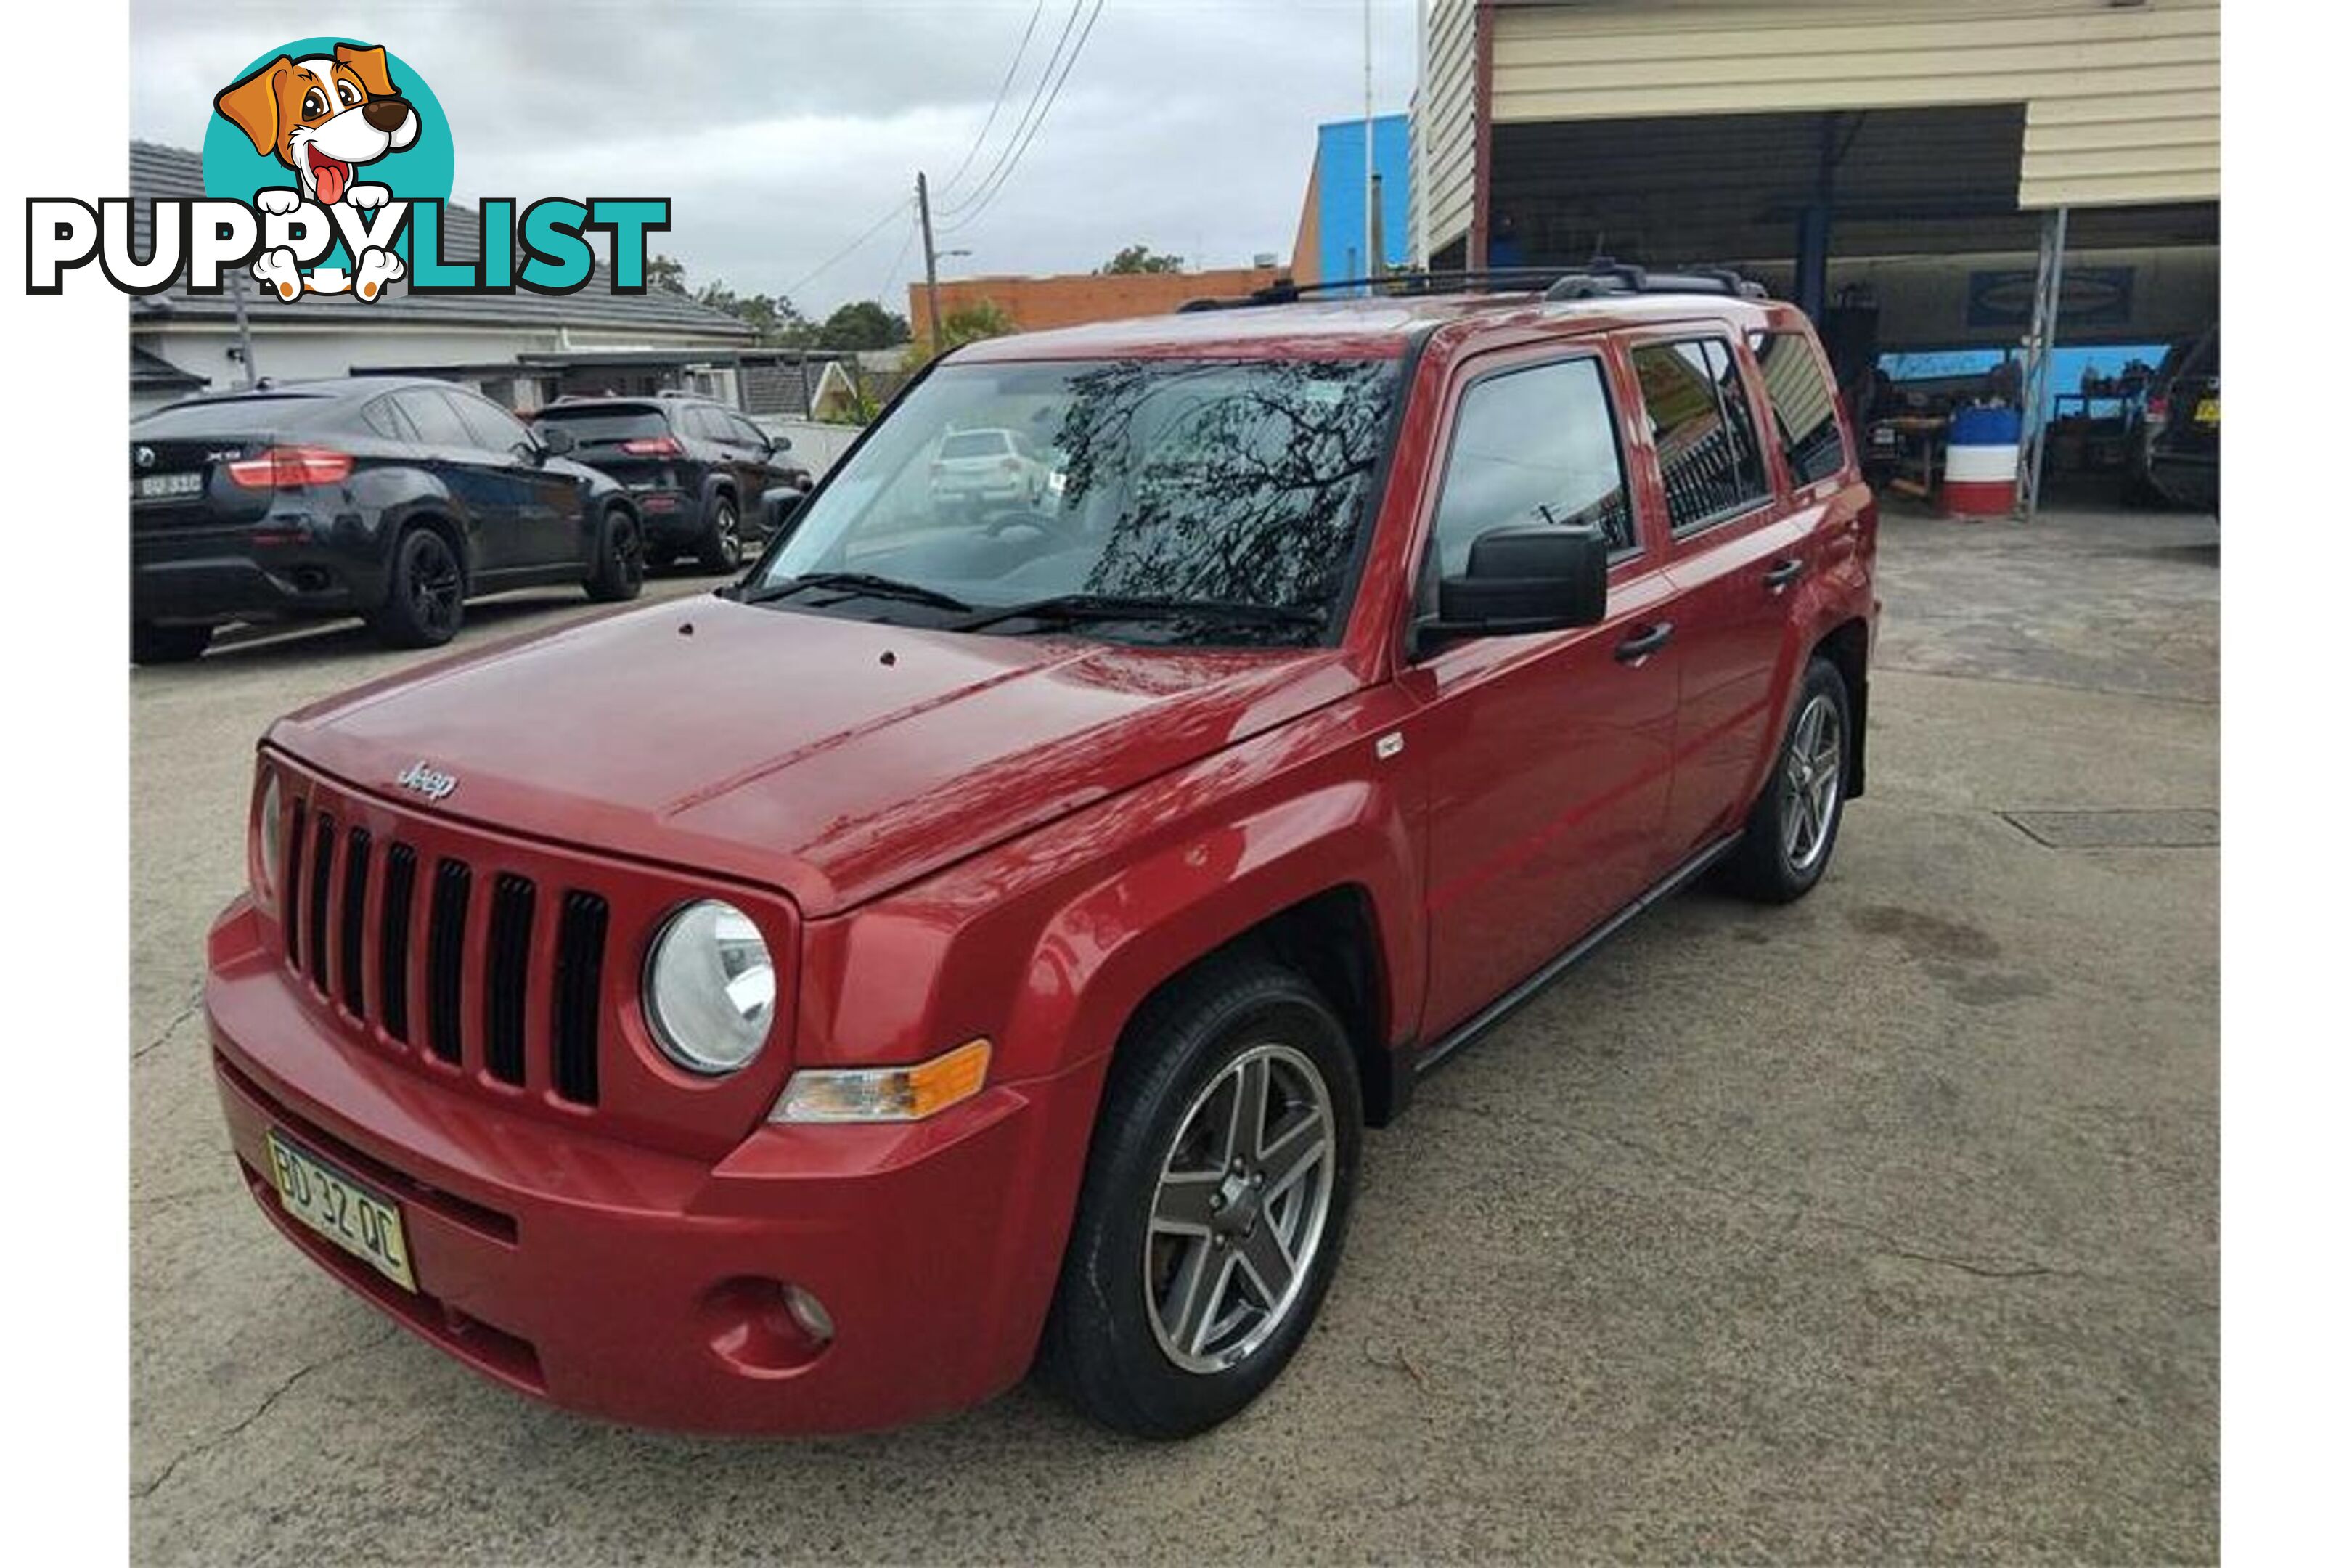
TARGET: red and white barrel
(1980,463)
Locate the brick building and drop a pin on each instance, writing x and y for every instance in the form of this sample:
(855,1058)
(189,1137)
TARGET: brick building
(1074,299)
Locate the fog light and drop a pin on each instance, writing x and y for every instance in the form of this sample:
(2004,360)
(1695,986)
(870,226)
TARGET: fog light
(764,1328)
(809,1313)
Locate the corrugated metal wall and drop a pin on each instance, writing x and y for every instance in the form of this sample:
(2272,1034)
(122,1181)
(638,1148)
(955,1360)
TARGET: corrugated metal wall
(2123,103)
(1441,114)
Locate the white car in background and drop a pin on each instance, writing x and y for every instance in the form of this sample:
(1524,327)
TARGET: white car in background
(991,467)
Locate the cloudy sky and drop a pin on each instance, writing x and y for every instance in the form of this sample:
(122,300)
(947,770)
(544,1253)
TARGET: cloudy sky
(783,130)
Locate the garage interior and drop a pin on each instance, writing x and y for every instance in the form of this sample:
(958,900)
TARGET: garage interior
(1901,231)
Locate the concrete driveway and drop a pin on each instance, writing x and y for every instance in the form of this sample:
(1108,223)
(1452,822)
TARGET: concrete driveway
(1882,1226)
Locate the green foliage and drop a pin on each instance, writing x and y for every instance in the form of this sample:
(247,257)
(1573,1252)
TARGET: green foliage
(859,409)
(1141,258)
(865,324)
(967,325)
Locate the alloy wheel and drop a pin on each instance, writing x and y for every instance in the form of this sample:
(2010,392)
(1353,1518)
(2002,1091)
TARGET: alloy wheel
(1240,1210)
(1814,772)
(435,586)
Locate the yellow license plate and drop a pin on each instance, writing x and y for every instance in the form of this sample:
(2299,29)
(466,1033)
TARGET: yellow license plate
(2208,411)
(357,1218)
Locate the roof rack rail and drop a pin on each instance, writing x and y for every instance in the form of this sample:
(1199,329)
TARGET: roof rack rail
(1600,276)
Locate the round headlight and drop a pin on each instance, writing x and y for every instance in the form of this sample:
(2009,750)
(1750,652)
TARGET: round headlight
(271,830)
(711,988)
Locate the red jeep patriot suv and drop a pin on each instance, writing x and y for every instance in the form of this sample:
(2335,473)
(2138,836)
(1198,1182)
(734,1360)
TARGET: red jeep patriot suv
(985,935)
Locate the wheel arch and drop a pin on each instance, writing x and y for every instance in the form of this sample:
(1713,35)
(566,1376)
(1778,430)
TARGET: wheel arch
(441,523)
(1332,940)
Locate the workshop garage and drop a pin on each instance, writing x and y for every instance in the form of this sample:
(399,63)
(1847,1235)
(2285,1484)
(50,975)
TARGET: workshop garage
(2027,175)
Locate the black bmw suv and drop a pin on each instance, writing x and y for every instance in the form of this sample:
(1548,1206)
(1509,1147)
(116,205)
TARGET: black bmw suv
(392,498)
(696,469)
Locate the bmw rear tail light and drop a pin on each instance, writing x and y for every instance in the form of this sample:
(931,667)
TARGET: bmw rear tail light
(2159,409)
(289,467)
(654,447)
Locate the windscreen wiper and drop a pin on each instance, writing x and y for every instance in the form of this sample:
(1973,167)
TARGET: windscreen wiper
(1068,607)
(865,583)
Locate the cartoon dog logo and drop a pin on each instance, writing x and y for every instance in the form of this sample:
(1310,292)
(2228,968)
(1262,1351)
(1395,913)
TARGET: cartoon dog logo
(324,117)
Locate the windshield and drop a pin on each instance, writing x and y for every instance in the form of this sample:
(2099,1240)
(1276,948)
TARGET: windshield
(593,426)
(1224,483)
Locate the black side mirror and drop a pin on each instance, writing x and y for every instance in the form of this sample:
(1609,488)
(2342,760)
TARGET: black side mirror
(1528,578)
(554,440)
(779,443)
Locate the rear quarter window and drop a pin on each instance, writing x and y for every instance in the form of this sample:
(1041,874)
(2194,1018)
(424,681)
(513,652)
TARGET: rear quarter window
(1804,405)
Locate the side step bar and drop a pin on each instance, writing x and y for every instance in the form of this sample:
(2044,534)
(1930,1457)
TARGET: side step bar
(1519,996)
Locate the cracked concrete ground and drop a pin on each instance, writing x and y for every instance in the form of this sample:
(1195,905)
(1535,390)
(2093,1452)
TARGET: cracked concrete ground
(1882,1226)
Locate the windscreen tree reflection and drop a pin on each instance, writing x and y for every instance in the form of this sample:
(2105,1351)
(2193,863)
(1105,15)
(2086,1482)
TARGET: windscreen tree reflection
(1229,482)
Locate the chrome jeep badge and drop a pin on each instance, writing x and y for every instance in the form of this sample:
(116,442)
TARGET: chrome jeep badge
(427,781)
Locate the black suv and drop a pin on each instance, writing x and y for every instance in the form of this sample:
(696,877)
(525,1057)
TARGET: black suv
(394,498)
(695,467)
(2176,453)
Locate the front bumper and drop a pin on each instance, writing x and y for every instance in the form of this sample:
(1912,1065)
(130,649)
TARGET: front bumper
(646,1287)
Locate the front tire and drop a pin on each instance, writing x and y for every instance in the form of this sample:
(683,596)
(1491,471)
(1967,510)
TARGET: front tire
(1793,828)
(619,573)
(721,549)
(1217,1199)
(152,644)
(424,602)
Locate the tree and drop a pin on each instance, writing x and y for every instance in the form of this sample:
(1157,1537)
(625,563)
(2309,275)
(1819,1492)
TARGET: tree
(865,324)
(666,274)
(770,316)
(966,324)
(1141,258)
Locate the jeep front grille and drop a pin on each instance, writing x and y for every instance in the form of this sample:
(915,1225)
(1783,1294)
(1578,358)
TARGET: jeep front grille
(503,967)
(335,900)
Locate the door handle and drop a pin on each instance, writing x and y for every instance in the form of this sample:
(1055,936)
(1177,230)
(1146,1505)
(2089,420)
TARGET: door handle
(1643,641)
(1784,573)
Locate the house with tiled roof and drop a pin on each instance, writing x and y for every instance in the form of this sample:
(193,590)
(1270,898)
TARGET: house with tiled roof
(181,342)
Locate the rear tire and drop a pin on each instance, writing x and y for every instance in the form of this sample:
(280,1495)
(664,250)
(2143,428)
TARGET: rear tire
(1793,828)
(619,573)
(721,549)
(424,601)
(152,644)
(1205,1238)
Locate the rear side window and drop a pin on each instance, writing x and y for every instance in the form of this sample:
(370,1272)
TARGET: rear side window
(1804,407)
(1533,446)
(1699,421)
(436,422)
(495,429)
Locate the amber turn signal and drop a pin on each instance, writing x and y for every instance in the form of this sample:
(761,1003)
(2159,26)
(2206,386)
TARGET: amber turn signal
(885,1094)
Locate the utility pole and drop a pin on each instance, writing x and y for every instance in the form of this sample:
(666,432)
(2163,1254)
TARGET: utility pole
(244,327)
(1372,254)
(930,259)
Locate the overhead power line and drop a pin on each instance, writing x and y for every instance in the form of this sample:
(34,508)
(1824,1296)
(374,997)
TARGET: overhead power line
(1003,87)
(970,210)
(822,268)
